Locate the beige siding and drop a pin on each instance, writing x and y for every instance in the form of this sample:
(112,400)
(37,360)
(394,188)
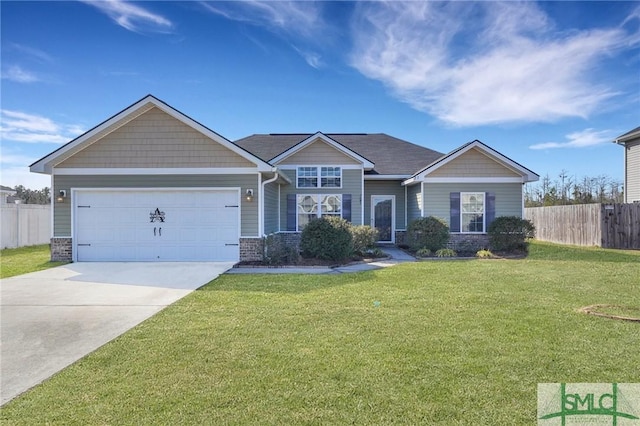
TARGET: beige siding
(319,153)
(437,197)
(378,187)
(474,163)
(155,139)
(248,214)
(632,188)
(351,184)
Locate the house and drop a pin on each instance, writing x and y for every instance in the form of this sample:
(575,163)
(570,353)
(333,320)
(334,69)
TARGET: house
(152,184)
(631,143)
(5,194)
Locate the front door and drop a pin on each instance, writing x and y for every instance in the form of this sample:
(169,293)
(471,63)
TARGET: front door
(383,217)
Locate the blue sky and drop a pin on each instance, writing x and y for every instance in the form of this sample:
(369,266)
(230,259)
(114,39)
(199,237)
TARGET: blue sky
(549,84)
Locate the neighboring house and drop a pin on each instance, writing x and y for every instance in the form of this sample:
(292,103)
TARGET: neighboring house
(5,194)
(151,183)
(631,143)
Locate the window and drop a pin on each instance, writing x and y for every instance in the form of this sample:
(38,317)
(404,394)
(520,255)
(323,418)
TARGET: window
(330,177)
(472,212)
(313,206)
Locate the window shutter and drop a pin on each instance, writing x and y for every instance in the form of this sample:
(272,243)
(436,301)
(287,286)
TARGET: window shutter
(491,208)
(454,212)
(346,207)
(291,212)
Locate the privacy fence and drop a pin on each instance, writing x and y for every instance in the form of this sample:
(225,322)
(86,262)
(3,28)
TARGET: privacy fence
(603,225)
(24,225)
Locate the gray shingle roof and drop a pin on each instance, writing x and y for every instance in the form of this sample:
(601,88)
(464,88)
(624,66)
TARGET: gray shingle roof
(625,136)
(391,156)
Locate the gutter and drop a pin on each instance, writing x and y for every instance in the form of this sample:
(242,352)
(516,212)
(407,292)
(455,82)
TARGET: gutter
(261,200)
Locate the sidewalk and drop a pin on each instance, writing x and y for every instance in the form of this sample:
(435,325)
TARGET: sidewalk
(395,256)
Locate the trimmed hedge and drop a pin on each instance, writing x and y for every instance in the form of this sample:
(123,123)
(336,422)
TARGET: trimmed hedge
(364,238)
(327,238)
(510,233)
(428,232)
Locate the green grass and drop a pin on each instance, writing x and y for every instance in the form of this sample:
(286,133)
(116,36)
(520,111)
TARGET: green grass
(22,260)
(455,342)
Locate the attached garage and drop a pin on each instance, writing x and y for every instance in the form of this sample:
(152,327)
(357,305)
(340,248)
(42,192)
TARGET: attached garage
(175,224)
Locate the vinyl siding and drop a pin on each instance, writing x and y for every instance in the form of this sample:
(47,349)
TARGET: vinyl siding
(372,187)
(414,200)
(508,197)
(248,214)
(271,208)
(474,163)
(319,153)
(155,139)
(632,186)
(351,184)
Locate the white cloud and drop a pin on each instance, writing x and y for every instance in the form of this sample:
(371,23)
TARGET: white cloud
(19,75)
(585,138)
(132,17)
(301,20)
(476,63)
(22,127)
(30,52)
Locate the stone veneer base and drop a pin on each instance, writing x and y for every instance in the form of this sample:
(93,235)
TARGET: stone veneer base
(61,249)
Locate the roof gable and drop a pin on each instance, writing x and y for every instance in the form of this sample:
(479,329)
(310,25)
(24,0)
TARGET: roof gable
(295,151)
(472,161)
(629,136)
(46,164)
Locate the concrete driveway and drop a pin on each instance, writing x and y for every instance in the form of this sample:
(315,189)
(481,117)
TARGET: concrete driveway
(50,319)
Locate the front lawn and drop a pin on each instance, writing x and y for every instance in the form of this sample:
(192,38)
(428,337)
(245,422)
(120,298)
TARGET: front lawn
(453,342)
(22,260)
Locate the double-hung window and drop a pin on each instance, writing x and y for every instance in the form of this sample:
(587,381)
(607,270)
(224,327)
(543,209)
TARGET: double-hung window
(319,177)
(313,206)
(472,212)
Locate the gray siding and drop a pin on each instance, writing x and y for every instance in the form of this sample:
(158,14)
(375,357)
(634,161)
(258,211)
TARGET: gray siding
(632,187)
(351,184)
(271,208)
(385,187)
(508,197)
(414,199)
(248,214)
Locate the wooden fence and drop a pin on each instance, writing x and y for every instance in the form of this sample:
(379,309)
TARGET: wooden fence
(603,225)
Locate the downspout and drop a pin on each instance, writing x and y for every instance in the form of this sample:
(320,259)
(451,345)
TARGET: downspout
(264,184)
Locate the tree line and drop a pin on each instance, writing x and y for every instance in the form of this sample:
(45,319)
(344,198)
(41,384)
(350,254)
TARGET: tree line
(566,189)
(33,196)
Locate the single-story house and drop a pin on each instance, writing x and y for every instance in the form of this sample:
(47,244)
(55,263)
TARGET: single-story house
(5,194)
(631,143)
(152,184)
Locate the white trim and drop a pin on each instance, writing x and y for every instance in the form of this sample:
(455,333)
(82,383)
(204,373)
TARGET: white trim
(474,180)
(279,206)
(393,215)
(157,171)
(260,205)
(319,198)
(74,192)
(422,209)
(342,166)
(406,208)
(386,177)
(625,188)
(319,177)
(362,200)
(319,135)
(45,164)
(484,212)
(53,207)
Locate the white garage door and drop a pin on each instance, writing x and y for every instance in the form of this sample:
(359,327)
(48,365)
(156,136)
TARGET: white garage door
(154,225)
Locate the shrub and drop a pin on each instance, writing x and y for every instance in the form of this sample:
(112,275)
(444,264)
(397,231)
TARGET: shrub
(427,232)
(364,238)
(510,233)
(276,252)
(484,254)
(423,252)
(327,238)
(445,252)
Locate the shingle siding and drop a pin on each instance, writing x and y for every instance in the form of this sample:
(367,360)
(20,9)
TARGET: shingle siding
(474,163)
(249,210)
(437,197)
(155,139)
(319,153)
(375,187)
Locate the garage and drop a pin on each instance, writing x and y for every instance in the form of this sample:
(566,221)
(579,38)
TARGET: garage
(162,225)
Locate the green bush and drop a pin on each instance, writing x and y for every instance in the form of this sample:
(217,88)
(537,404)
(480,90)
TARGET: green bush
(327,238)
(276,252)
(445,252)
(423,252)
(510,233)
(427,232)
(364,238)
